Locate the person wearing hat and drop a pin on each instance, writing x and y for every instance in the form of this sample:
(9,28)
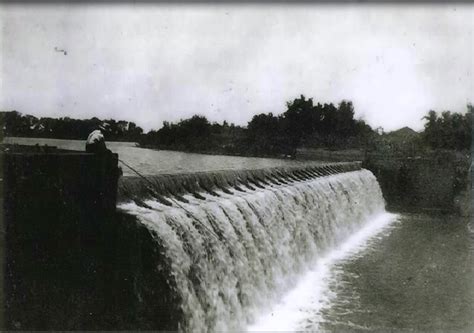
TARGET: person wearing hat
(102,174)
(95,142)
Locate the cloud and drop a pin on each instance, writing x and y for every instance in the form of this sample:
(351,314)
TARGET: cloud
(150,63)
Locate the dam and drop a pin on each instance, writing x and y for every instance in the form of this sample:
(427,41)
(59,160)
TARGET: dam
(229,255)
(225,249)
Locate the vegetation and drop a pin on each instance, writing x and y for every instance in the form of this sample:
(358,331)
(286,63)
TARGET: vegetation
(302,125)
(442,131)
(448,130)
(196,134)
(15,124)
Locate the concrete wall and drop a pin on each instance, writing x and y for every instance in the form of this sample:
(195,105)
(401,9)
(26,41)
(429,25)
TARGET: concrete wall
(434,183)
(57,210)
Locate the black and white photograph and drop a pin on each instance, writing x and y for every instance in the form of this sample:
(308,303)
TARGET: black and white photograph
(250,166)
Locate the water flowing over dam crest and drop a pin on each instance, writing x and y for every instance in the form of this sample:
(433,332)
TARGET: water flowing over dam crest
(228,245)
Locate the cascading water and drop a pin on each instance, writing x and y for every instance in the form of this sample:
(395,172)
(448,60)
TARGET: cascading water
(231,256)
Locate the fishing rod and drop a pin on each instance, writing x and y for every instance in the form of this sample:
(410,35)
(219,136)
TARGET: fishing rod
(138,173)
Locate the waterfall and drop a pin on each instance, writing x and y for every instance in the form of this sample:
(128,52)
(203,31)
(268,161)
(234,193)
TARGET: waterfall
(231,255)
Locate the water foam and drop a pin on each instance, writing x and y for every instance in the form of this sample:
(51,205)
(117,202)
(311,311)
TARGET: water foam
(300,309)
(234,255)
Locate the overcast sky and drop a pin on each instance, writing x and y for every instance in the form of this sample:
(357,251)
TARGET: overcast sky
(148,64)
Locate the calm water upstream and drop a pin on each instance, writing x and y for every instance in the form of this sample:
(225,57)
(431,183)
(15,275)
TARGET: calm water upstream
(372,271)
(152,162)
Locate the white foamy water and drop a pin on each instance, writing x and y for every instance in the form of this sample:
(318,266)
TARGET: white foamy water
(300,308)
(235,256)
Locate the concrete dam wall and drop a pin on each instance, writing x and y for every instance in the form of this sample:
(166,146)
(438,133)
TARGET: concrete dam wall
(439,182)
(57,208)
(200,251)
(208,251)
(176,185)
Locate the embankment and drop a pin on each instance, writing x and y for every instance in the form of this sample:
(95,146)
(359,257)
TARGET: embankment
(439,182)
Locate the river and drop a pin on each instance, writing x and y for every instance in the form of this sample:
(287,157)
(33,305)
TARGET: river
(152,162)
(415,274)
(368,270)
(418,276)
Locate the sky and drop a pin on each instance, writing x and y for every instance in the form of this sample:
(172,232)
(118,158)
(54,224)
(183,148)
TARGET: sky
(153,63)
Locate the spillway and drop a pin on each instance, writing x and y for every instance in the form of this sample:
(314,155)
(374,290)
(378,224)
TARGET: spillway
(229,245)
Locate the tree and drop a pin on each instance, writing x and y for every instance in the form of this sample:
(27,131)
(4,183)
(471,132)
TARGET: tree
(448,130)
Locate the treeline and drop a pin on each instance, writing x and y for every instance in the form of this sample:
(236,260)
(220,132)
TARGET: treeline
(442,131)
(15,124)
(448,130)
(308,125)
(197,134)
(303,123)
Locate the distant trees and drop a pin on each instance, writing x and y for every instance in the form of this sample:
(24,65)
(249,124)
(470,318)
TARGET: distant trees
(448,130)
(185,135)
(303,124)
(195,134)
(442,131)
(306,124)
(265,135)
(15,124)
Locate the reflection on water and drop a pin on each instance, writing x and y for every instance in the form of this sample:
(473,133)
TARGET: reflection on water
(152,162)
(419,277)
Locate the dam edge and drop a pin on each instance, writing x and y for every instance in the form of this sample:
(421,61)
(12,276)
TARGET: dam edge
(178,184)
